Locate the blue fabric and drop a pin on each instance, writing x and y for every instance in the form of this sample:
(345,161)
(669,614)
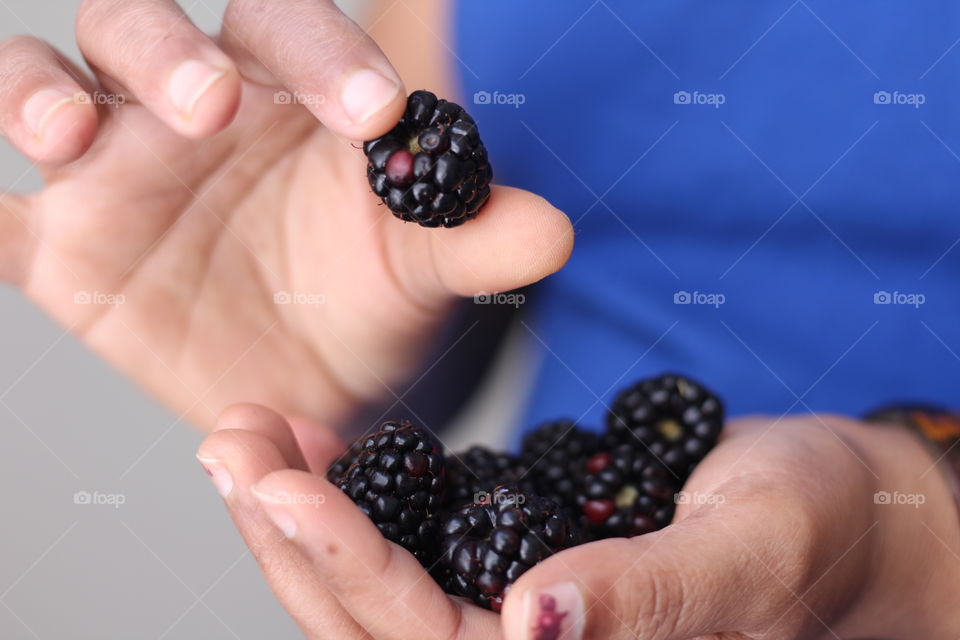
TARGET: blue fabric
(712,205)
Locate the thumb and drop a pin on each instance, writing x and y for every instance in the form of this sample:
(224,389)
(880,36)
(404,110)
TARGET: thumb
(518,239)
(706,574)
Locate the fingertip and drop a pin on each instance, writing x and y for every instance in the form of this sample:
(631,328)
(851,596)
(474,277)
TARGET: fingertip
(58,126)
(247,416)
(246,453)
(204,97)
(519,238)
(553,610)
(550,238)
(320,444)
(370,102)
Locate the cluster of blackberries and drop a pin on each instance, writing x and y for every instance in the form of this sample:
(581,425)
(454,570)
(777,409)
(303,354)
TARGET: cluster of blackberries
(477,520)
(431,168)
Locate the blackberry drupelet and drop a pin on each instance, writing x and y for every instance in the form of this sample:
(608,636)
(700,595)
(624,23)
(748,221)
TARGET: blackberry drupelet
(431,168)
(486,546)
(555,454)
(479,470)
(341,464)
(676,418)
(626,492)
(398,481)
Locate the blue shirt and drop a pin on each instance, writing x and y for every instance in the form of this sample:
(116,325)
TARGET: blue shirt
(766,196)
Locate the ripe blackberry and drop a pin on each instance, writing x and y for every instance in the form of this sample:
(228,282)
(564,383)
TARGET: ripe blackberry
(480,470)
(626,492)
(486,546)
(555,454)
(431,168)
(677,419)
(398,481)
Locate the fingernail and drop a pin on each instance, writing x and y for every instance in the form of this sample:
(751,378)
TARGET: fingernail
(277,513)
(41,106)
(365,93)
(189,82)
(219,475)
(554,613)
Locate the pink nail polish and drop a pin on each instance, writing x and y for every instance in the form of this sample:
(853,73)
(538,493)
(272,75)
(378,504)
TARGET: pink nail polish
(219,475)
(556,613)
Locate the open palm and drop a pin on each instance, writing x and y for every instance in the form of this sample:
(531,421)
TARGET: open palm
(238,254)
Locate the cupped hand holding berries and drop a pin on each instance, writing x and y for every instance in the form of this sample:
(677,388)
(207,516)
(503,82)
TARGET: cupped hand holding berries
(326,562)
(212,189)
(778,534)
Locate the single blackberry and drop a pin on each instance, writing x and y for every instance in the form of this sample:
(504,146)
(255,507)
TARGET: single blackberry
(555,454)
(398,481)
(676,418)
(479,470)
(431,168)
(486,546)
(626,492)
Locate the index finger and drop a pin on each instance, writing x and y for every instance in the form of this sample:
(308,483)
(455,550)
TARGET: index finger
(327,61)
(378,583)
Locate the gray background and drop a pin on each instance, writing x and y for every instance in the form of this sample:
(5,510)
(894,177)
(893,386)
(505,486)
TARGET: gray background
(167,563)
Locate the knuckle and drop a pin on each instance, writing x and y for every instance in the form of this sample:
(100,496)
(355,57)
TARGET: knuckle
(256,25)
(123,25)
(654,603)
(91,14)
(18,43)
(19,55)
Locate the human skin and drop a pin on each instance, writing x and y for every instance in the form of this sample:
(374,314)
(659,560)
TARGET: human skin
(781,537)
(200,199)
(198,205)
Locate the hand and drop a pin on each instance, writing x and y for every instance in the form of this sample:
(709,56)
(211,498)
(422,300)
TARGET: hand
(780,537)
(324,560)
(168,224)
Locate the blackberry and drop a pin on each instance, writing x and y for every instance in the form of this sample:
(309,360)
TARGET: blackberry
(486,546)
(479,470)
(555,454)
(676,418)
(398,481)
(431,168)
(626,492)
